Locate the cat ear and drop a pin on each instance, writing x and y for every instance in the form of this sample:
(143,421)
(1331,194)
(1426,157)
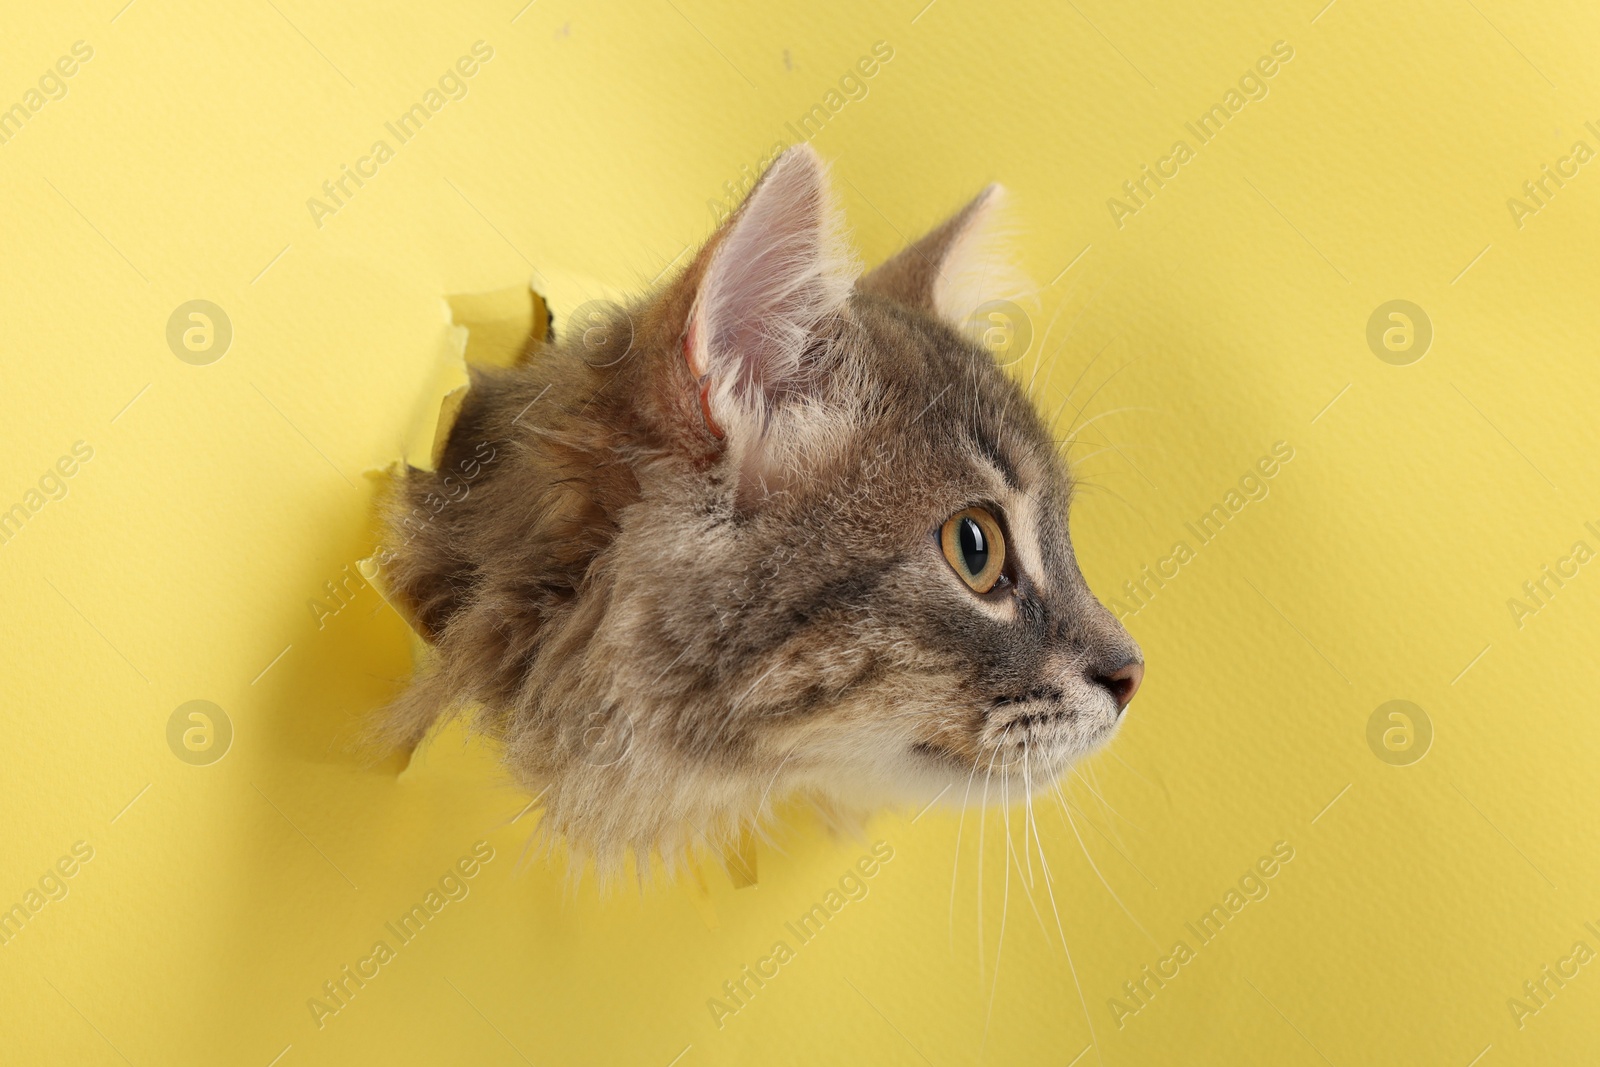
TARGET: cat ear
(779,270)
(956,266)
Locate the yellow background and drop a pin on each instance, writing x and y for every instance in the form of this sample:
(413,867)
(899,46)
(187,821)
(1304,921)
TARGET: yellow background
(1232,310)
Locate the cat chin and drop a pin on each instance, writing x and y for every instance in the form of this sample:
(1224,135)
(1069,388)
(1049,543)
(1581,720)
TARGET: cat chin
(923,775)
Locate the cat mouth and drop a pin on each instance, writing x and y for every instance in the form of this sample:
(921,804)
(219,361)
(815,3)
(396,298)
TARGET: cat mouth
(1043,734)
(1037,766)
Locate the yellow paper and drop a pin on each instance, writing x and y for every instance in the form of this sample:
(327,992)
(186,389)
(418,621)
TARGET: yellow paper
(225,303)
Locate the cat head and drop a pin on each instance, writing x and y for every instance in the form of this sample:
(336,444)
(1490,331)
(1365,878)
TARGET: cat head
(781,528)
(890,554)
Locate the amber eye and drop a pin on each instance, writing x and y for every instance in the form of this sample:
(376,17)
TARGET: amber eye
(975,547)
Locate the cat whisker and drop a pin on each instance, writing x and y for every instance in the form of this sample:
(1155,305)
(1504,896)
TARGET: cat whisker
(1066,299)
(1065,400)
(1115,836)
(1082,1000)
(1108,807)
(1117,447)
(1103,800)
(1066,810)
(1049,884)
(1072,439)
(1044,869)
(1005,904)
(1065,337)
(956,864)
(1038,350)
(1088,484)
(1078,463)
(1137,773)
(1097,452)
(1027,812)
(1088,400)
(1071,966)
(983,823)
(1027,807)
(1027,876)
(1094,775)
(1049,888)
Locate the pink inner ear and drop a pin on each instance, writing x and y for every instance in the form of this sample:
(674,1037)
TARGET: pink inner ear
(703,382)
(956,266)
(780,269)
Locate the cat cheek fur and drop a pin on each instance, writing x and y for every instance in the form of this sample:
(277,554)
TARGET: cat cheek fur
(694,576)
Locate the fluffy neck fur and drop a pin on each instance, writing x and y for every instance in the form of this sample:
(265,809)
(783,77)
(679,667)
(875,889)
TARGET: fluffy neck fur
(538,606)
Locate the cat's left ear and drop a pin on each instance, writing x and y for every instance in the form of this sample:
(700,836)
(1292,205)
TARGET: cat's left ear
(779,271)
(956,266)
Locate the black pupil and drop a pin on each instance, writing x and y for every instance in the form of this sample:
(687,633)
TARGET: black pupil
(974,547)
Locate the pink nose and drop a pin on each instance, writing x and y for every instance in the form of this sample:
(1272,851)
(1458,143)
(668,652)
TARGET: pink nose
(1122,683)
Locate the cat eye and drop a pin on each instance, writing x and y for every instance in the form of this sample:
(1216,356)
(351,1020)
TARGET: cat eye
(975,547)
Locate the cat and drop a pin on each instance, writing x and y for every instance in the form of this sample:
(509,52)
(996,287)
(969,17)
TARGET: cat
(775,529)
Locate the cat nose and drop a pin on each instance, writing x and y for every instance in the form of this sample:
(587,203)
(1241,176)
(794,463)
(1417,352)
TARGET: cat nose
(1122,682)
